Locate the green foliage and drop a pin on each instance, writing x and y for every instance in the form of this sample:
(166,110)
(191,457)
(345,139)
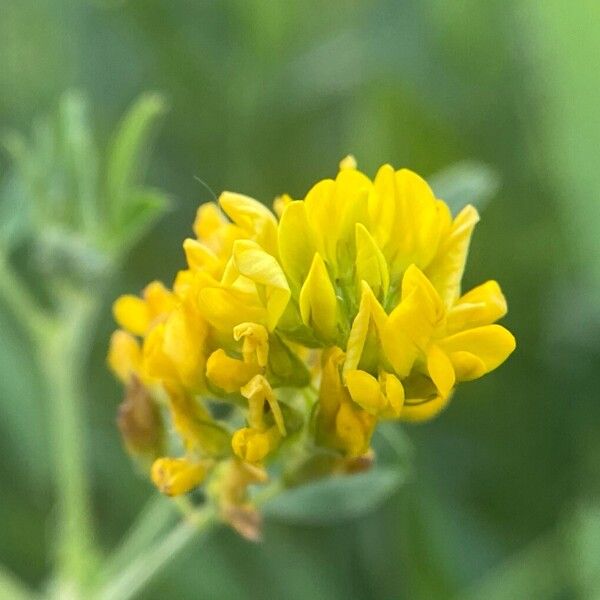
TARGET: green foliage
(78,221)
(336,498)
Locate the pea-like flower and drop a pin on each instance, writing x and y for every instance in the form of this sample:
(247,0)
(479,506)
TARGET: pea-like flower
(305,327)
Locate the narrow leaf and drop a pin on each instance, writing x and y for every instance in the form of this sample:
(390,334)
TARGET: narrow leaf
(128,151)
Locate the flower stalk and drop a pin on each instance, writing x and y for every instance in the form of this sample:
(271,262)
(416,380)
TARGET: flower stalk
(62,356)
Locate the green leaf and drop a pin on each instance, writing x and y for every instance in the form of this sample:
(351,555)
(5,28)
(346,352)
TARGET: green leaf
(80,156)
(11,587)
(336,498)
(465,183)
(143,209)
(128,151)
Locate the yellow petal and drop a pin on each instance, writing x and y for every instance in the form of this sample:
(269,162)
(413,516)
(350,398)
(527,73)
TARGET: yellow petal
(132,314)
(370,316)
(365,391)
(156,364)
(253,217)
(255,347)
(229,374)
(209,219)
(415,411)
(318,302)
(253,445)
(199,256)
(159,299)
(193,423)
(418,219)
(440,369)
(352,189)
(370,263)
(492,344)
(353,428)
(183,282)
(348,162)
(320,206)
(280,203)
(124,355)
(331,390)
(258,391)
(411,325)
(483,305)
(446,270)
(296,246)
(264,270)
(184,340)
(176,476)
(467,366)
(383,204)
(394,393)
(224,308)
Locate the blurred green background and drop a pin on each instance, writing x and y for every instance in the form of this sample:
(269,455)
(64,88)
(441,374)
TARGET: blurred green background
(265,97)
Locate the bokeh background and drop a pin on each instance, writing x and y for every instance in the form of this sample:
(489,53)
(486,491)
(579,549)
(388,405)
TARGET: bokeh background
(265,97)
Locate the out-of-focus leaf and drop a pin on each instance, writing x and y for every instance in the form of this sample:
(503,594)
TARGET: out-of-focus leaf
(11,587)
(128,151)
(583,557)
(144,208)
(567,44)
(80,156)
(336,498)
(536,573)
(465,183)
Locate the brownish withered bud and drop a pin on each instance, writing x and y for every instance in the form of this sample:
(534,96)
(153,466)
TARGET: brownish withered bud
(139,421)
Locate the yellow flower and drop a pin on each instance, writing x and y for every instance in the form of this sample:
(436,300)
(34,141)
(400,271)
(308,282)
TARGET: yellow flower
(335,312)
(138,315)
(176,476)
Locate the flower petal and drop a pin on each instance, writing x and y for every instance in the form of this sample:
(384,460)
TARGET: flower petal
(132,314)
(446,270)
(440,370)
(492,344)
(124,355)
(416,411)
(483,305)
(253,217)
(318,302)
(370,316)
(365,391)
(296,246)
(370,263)
(264,270)
(229,374)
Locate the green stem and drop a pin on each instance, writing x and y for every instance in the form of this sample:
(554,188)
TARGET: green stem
(11,587)
(21,302)
(149,563)
(158,514)
(62,354)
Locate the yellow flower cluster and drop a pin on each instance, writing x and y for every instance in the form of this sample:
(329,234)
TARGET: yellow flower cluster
(310,326)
